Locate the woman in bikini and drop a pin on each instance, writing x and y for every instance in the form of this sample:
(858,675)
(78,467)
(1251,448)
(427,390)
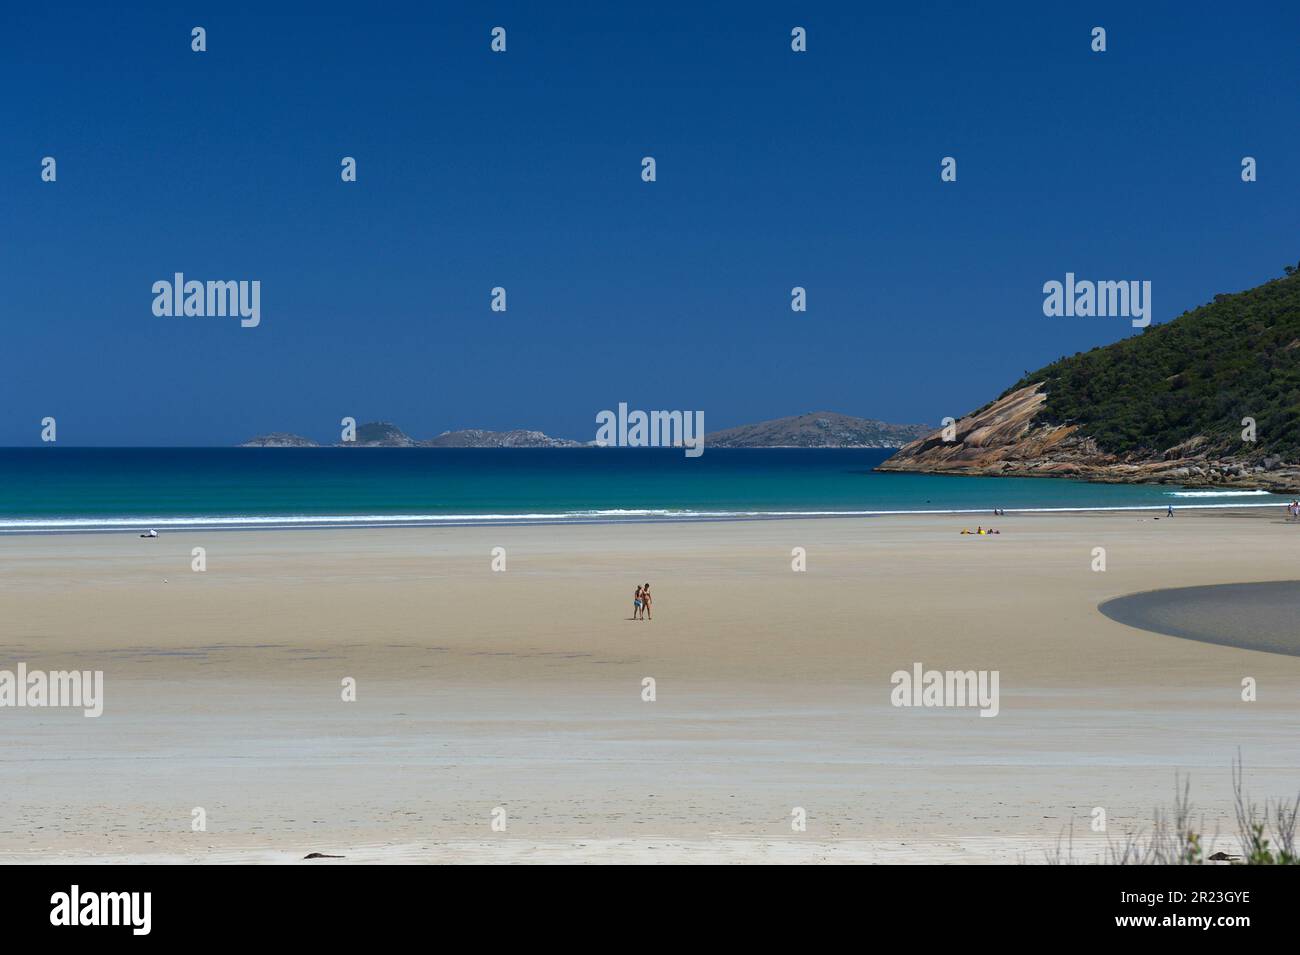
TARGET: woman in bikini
(645,601)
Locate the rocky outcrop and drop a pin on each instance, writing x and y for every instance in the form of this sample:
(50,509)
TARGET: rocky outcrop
(1008,439)
(818,429)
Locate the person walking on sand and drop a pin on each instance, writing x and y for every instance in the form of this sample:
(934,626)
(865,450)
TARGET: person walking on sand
(637,605)
(645,600)
(1170,511)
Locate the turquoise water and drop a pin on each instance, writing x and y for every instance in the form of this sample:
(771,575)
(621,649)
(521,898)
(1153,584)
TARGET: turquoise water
(61,488)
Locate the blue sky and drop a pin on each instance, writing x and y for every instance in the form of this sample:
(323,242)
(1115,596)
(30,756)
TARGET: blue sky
(522,170)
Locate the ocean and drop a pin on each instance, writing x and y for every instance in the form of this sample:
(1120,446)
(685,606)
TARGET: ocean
(53,489)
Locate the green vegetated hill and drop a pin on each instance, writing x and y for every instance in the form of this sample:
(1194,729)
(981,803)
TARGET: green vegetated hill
(1198,375)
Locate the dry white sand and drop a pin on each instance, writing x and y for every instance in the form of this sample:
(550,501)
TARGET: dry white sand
(523,690)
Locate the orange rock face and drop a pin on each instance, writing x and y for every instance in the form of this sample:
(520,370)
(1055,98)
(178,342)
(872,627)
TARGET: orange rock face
(1005,439)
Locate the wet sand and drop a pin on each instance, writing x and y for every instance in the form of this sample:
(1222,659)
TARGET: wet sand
(1257,616)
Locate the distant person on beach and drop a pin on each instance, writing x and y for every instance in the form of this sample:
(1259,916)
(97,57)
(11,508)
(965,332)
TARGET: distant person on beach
(636,605)
(645,600)
(1170,511)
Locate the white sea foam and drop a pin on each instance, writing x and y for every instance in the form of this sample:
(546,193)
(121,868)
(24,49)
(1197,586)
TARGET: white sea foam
(1254,493)
(611,515)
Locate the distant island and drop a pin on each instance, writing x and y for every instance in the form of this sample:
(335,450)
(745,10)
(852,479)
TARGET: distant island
(1209,399)
(279,439)
(383,434)
(818,429)
(476,438)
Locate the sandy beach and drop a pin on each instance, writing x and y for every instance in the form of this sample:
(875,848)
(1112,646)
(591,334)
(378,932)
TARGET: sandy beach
(522,690)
